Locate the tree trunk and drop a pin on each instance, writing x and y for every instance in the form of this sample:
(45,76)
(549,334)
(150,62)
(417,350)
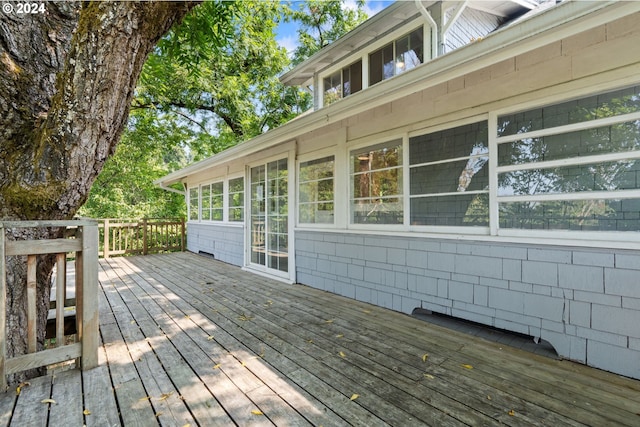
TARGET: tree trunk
(67,77)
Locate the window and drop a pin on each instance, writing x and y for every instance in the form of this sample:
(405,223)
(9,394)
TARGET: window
(449,179)
(316,191)
(554,175)
(193,204)
(236,199)
(376,184)
(401,55)
(211,206)
(343,83)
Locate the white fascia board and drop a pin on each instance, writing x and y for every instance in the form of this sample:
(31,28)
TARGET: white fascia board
(564,20)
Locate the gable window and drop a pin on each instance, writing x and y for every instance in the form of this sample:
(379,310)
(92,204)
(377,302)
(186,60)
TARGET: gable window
(401,55)
(236,200)
(316,191)
(342,83)
(376,184)
(572,166)
(193,204)
(449,178)
(211,205)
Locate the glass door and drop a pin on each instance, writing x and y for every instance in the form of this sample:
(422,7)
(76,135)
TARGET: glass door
(270,216)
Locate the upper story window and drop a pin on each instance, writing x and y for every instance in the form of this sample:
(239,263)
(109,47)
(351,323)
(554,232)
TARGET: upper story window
(399,56)
(343,83)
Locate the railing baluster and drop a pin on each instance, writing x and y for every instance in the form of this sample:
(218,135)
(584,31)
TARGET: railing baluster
(61,291)
(32,283)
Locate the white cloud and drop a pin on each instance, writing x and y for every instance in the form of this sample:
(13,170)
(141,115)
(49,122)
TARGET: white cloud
(289,42)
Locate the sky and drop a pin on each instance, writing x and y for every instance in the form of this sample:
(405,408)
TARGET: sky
(287,36)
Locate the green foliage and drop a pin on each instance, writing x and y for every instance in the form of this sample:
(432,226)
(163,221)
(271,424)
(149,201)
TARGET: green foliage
(323,22)
(211,83)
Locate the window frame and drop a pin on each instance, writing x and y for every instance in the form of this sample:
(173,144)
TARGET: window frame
(565,236)
(190,206)
(309,158)
(211,208)
(394,55)
(227,198)
(373,143)
(453,229)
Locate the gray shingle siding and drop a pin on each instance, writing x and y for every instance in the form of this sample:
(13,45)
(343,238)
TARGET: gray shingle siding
(586,302)
(223,242)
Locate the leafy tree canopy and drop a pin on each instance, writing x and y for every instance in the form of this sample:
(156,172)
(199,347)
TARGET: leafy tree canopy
(211,83)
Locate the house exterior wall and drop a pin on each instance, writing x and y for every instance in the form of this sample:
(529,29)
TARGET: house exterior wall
(582,296)
(224,242)
(585,302)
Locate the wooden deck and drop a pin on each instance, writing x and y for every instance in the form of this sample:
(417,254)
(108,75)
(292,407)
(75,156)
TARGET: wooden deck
(191,341)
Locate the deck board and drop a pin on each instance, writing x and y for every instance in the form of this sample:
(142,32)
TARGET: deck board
(187,340)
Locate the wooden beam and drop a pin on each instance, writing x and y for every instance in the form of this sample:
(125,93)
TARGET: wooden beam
(43,358)
(40,247)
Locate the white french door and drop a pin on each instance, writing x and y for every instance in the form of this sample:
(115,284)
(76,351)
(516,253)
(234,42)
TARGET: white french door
(269,218)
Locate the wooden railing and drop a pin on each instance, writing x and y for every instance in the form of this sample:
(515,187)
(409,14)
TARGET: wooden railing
(141,237)
(81,241)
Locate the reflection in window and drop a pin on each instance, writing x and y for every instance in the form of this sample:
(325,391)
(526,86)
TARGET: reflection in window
(376,184)
(401,55)
(449,177)
(211,205)
(236,199)
(316,191)
(193,204)
(342,83)
(594,107)
(534,172)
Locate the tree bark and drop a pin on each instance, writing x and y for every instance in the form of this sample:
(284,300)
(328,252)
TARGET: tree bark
(67,77)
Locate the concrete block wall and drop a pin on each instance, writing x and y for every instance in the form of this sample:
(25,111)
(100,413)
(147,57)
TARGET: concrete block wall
(585,302)
(225,243)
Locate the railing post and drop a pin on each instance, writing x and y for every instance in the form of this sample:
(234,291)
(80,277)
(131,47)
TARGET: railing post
(182,234)
(3,312)
(106,243)
(88,315)
(145,243)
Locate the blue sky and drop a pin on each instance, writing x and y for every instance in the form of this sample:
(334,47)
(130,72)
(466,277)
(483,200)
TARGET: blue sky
(287,35)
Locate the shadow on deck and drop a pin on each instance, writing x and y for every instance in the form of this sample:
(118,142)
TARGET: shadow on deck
(188,340)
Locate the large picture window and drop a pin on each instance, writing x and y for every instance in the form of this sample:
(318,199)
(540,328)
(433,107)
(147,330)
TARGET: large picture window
(316,191)
(376,184)
(572,166)
(449,178)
